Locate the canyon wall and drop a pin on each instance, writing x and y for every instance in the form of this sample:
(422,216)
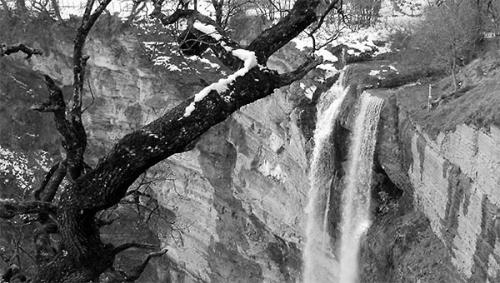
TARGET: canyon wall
(453,179)
(456,180)
(234,203)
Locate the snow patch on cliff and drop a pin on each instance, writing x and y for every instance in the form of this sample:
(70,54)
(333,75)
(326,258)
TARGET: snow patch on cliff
(274,172)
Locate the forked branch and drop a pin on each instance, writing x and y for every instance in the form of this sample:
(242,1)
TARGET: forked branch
(71,129)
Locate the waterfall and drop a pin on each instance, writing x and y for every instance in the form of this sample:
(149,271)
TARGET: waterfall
(356,195)
(320,265)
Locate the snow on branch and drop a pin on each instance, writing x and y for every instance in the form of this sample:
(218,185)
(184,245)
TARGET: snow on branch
(250,61)
(209,30)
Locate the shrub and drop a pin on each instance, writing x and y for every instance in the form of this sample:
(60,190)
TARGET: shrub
(448,35)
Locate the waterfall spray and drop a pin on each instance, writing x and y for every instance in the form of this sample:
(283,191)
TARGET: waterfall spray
(356,195)
(320,265)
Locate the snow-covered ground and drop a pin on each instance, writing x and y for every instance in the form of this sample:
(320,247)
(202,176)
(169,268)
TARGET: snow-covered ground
(392,18)
(394,15)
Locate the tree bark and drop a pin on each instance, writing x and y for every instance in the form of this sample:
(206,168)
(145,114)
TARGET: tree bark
(83,256)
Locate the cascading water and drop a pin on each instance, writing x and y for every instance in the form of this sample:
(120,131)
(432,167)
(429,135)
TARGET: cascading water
(320,265)
(356,195)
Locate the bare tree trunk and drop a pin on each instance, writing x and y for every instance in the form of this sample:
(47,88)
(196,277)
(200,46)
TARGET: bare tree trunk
(84,256)
(57,9)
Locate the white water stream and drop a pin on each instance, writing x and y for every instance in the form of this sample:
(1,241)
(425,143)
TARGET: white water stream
(356,195)
(320,265)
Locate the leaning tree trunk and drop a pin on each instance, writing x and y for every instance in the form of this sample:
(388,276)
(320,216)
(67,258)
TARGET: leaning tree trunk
(82,256)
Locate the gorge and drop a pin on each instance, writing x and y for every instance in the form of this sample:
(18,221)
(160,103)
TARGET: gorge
(233,207)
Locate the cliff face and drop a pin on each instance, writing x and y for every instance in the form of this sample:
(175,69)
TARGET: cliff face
(454,181)
(234,203)
(400,245)
(451,176)
(240,195)
(233,206)
(456,185)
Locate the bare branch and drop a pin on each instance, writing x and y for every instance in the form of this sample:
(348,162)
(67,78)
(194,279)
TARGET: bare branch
(106,185)
(333,5)
(10,207)
(92,96)
(171,134)
(219,45)
(127,246)
(71,127)
(10,49)
(301,71)
(55,103)
(138,270)
(137,7)
(57,10)
(45,181)
(72,130)
(55,182)
(183,14)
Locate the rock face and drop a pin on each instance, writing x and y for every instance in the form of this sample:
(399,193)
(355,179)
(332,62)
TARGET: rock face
(453,180)
(456,182)
(240,193)
(233,206)
(235,202)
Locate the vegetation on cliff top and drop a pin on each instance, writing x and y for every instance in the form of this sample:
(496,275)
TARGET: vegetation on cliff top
(453,49)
